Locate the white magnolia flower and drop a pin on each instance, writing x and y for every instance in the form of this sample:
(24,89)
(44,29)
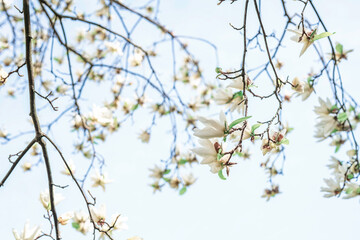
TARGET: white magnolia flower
(188,179)
(324,109)
(231,100)
(238,83)
(26,166)
(82,222)
(333,187)
(137,58)
(100,179)
(98,214)
(114,47)
(213,128)
(144,136)
(157,172)
(298,85)
(327,124)
(303,37)
(45,199)
(28,233)
(3,75)
(335,164)
(101,115)
(72,167)
(117,223)
(65,217)
(3,133)
(209,154)
(308,89)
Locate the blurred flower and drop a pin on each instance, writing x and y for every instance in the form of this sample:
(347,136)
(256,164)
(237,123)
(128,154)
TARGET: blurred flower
(213,128)
(28,233)
(81,222)
(333,187)
(72,167)
(144,136)
(45,199)
(209,152)
(98,214)
(65,217)
(100,179)
(26,166)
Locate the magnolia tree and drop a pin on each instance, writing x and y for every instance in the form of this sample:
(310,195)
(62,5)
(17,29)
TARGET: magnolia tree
(66,54)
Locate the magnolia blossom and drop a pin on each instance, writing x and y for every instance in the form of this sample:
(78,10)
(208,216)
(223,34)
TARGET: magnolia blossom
(157,172)
(114,47)
(3,76)
(233,101)
(213,128)
(100,179)
(26,166)
(98,214)
(137,58)
(209,152)
(101,115)
(72,167)
(28,233)
(188,179)
(333,187)
(3,133)
(117,223)
(144,136)
(238,83)
(45,199)
(327,124)
(325,107)
(308,89)
(303,37)
(335,164)
(65,217)
(298,85)
(174,182)
(82,222)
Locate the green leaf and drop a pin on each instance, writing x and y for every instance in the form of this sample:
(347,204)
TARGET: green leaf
(322,35)
(239,94)
(333,131)
(218,70)
(334,107)
(166,179)
(339,48)
(182,161)
(342,117)
(310,80)
(348,191)
(237,121)
(254,127)
(358,190)
(221,176)
(350,176)
(135,107)
(284,141)
(182,191)
(167,171)
(75,225)
(337,148)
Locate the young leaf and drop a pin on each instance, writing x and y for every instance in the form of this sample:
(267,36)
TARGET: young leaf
(254,127)
(285,141)
(167,171)
(221,176)
(322,35)
(182,191)
(339,48)
(218,70)
(182,161)
(337,148)
(75,225)
(342,117)
(237,121)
